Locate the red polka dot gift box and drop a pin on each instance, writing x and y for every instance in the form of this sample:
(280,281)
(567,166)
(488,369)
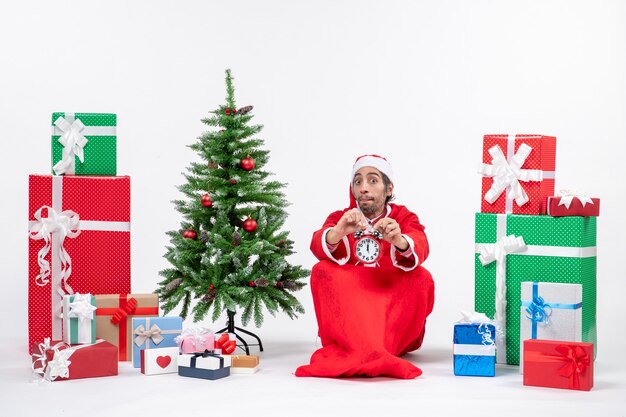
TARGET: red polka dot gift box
(518,173)
(79,242)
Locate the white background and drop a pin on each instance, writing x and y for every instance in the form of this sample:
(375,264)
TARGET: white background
(419,82)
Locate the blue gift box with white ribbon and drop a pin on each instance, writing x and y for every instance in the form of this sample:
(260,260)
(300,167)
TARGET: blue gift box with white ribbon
(550,311)
(474,349)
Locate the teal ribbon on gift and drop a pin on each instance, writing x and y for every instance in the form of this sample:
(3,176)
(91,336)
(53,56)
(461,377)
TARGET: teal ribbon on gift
(538,311)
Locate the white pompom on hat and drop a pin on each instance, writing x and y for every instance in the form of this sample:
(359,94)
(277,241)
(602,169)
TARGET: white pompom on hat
(375,161)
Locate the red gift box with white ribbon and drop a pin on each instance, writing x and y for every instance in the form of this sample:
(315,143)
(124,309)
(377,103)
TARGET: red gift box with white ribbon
(518,173)
(558,364)
(79,243)
(572,203)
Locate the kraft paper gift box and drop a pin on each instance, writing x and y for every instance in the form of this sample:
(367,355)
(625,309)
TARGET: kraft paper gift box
(79,319)
(558,364)
(114,318)
(79,242)
(243,364)
(474,349)
(518,173)
(57,361)
(154,332)
(84,144)
(568,203)
(511,249)
(194,340)
(206,365)
(159,361)
(550,311)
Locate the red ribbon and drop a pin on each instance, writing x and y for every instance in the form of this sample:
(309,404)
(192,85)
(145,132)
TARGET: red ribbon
(228,346)
(119,315)
(575,358)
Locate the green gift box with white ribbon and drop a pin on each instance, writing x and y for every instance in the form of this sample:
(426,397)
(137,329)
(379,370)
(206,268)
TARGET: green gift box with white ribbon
(84,144)
(513,248)
(79,319)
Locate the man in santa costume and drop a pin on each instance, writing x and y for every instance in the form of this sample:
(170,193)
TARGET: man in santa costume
(370,292)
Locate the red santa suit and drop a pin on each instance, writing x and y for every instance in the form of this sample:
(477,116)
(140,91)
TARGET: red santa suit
(368,315)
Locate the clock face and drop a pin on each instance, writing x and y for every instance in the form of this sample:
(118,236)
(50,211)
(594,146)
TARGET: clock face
(367,249)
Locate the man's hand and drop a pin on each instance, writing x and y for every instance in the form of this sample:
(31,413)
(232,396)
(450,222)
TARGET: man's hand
(350,222)
(392,233)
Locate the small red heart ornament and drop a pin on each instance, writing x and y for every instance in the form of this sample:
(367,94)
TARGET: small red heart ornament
(163,361)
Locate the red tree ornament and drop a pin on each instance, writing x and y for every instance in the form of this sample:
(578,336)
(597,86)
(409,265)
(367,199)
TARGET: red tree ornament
(233,182)
(247,164)
(190,234)
(206,201)
(249,225)
(251,284)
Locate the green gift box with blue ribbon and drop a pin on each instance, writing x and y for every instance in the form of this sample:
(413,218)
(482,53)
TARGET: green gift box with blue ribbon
(511,249)
(84,144)
(550,311)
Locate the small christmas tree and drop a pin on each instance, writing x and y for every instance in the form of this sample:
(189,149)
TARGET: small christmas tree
(230,253)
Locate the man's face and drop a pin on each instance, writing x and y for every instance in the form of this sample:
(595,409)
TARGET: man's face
(369,191)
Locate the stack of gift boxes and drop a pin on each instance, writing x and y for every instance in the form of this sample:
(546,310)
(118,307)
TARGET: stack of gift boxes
(535,268)
(82,317)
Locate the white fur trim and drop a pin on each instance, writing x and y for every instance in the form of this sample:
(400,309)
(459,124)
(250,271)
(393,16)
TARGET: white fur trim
(328,253)
(372,161)
(394,260)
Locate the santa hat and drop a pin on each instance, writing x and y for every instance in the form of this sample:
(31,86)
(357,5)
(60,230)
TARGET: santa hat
(375,161)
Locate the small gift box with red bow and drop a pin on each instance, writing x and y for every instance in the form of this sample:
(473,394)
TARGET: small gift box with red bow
(572,203)
(114,316)
(225,343)
(205,365)
(193,340)
(558,364)
(79,319)
(154,332)
(57,361)
(159,361)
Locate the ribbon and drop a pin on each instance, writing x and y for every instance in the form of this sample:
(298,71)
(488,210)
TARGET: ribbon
(538,311)
(206,354)
(66,224)
(507,174)
(483,321)
(73,143)
(123,312)
(574,358)
(53,230)
(145,335)
(80,308)
(225,343)
(497,253)
(567,196)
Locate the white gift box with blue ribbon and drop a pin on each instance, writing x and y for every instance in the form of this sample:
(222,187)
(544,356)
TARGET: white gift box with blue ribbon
(550,311)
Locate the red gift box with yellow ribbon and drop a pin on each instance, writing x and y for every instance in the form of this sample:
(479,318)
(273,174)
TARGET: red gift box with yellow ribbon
(114,313)
(558,364)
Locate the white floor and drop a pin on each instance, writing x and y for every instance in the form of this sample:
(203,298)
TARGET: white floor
(276,391)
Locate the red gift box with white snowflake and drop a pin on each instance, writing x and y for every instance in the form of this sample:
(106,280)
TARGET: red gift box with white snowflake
(572,203)
(518,173)
(558,364)
(79,243)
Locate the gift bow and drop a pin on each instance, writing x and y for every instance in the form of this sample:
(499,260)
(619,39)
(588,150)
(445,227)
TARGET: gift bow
(567,196)
(482,320)
(197,337)
(66,224)
(509,174)
(227,345)
(58,367)
(538,310)
(73,143)
(81,307)
(123,312)
(143,334)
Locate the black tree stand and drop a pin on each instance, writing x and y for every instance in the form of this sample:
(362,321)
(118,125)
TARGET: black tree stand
(230,328)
